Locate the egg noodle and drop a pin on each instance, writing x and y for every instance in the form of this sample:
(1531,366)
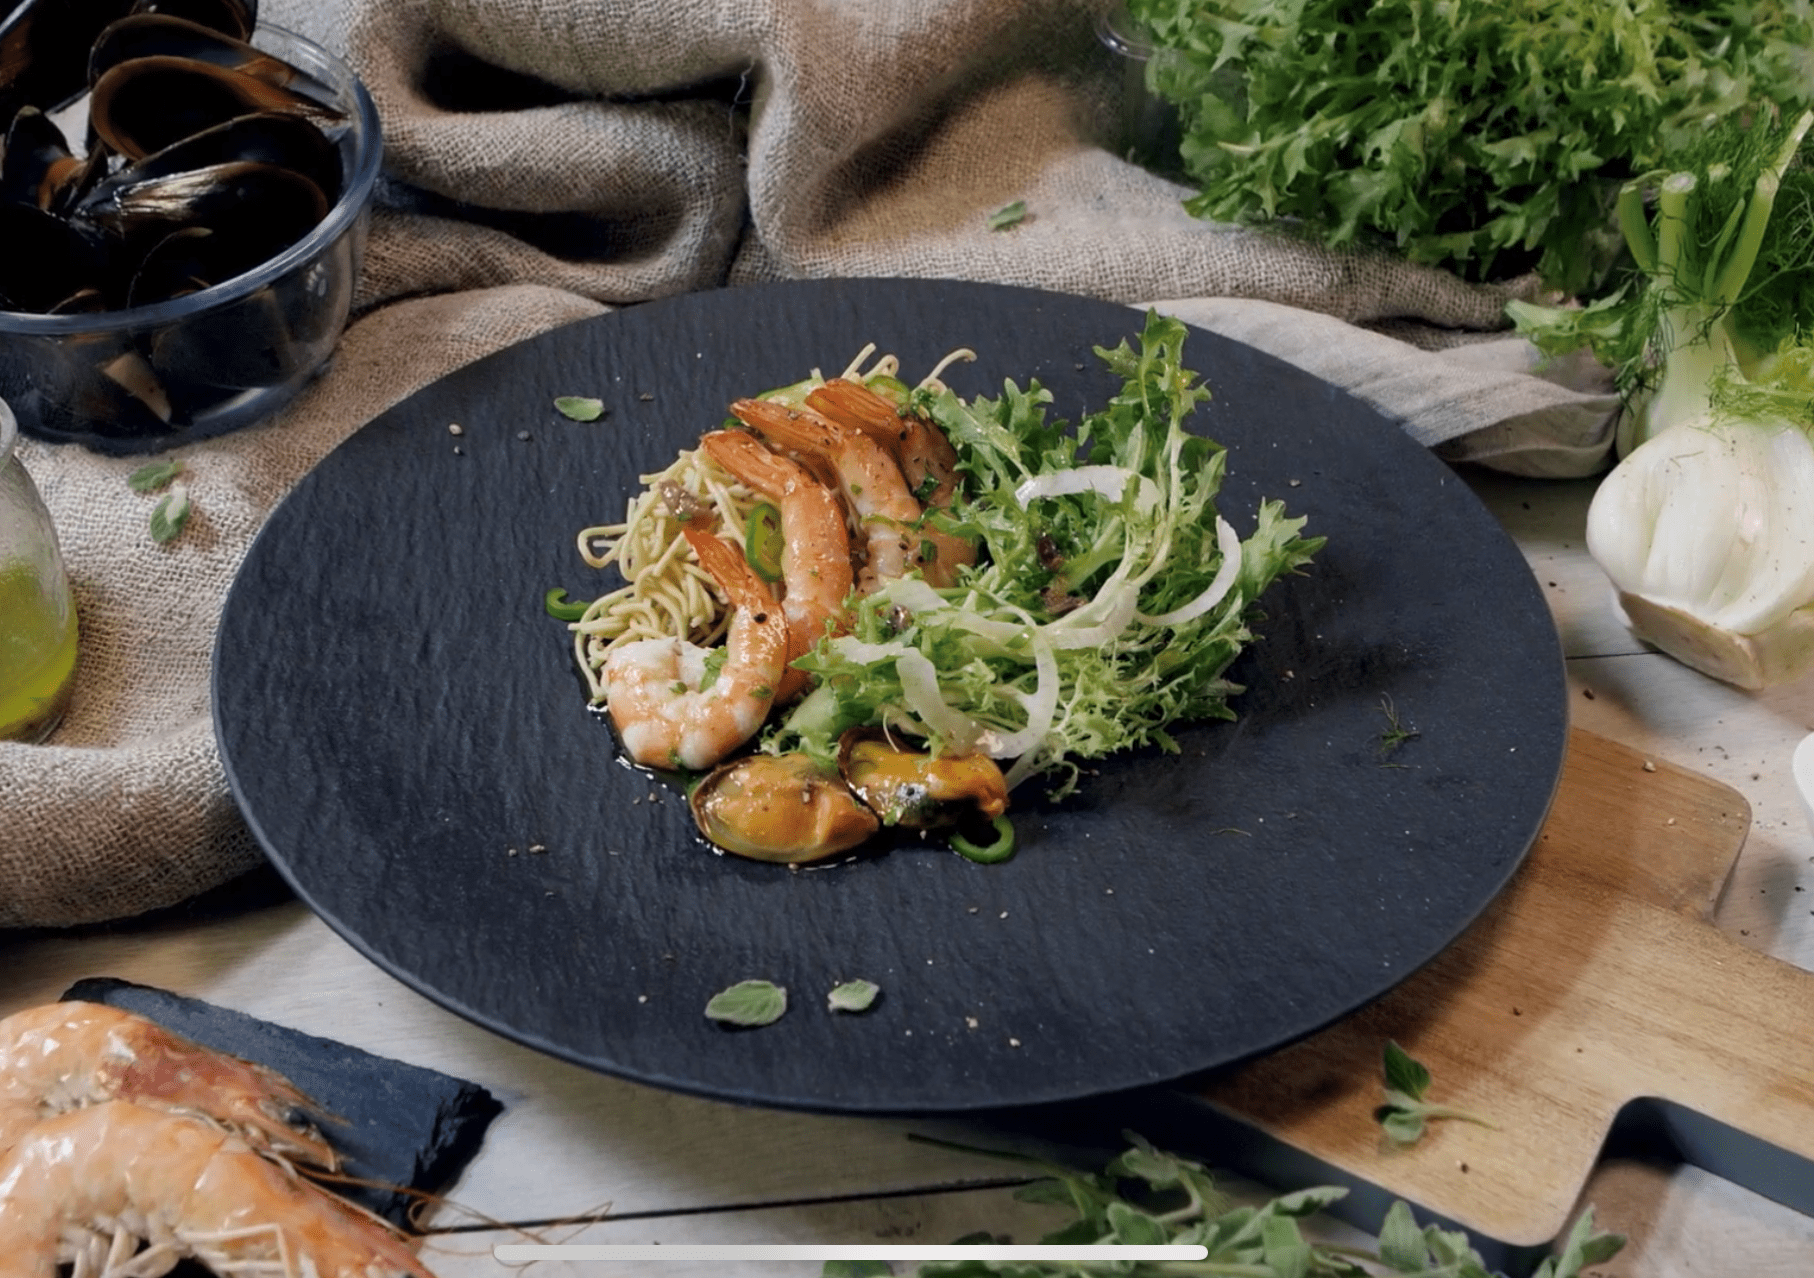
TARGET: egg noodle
(668,594)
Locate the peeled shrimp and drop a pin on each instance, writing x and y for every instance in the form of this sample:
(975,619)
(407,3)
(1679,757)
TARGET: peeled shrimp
(868,477)
(653,686)
(86,1187)
(815,546)
(926,458)
(63,1056)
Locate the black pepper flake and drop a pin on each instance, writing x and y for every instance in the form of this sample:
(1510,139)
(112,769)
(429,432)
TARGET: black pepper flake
(1588,693)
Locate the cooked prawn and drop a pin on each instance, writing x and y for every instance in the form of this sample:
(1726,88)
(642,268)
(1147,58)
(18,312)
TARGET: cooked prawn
(668,713)
(86,1188)
(62,1056)
(815,546)
(868,477)
(927,460)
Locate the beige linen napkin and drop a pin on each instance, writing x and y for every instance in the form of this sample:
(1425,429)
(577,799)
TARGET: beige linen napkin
(549,159)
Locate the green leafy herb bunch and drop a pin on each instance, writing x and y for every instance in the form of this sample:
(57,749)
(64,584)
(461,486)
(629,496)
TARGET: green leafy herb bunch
(1486,136)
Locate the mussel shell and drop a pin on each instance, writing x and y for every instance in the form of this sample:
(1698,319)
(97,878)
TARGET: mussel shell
(262,208)
(145,35)
(781,808)
(44,48)
(36,166)
(916,790)
(267,137)
(237,18)
(142,106)
(46,260)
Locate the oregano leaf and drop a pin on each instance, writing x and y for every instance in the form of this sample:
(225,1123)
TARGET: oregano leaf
(170,514)
(154,476)
(748,1003)
(852,996)
(1404,1074)
(579,408)
(1008,215)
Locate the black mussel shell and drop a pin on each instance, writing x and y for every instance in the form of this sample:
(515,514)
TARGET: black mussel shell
(257,209)
(36,166)
(236,18)
(44,48)
(269,137)
(142,106)
(149,35)
(46,260)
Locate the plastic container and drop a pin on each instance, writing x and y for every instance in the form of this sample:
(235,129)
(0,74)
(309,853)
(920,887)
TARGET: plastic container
(147,378)
(37,616)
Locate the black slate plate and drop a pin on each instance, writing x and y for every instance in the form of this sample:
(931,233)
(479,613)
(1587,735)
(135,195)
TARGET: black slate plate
(396,714)
(400,1127)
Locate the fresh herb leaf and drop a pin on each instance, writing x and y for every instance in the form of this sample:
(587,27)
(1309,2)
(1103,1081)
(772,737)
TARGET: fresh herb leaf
(579,408)
(748,1003)
(852,996)
(170,514)
(1008,215)
(1395,733)
(1583,1248)
(1256,1241)
(1404,1074)
(154,476)
(1405,1113)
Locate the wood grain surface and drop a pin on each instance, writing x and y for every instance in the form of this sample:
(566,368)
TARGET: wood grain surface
(1597,979)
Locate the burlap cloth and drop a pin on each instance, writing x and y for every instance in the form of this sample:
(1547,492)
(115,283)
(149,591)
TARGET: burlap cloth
(550,159)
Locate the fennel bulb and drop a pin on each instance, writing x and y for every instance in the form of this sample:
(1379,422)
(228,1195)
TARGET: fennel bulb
(1706,526)
(1707,531)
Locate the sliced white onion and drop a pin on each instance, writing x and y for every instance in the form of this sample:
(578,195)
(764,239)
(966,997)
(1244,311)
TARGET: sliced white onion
(913,594)
(1228,541)
(1110,481)
(867,654)
(1041,706)
(920,690)
(1108,617)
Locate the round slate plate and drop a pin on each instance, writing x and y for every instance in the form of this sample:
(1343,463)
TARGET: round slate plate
(404,730)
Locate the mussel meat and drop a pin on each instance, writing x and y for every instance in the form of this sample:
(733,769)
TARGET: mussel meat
(780,807)
(916,790)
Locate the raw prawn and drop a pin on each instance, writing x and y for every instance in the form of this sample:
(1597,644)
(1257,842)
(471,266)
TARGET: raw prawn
(815,548)
(926,458)
(869,478)
(63,1056)
(667,711)
(85,1188)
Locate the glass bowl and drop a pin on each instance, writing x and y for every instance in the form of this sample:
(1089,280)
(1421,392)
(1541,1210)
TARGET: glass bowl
(148,378)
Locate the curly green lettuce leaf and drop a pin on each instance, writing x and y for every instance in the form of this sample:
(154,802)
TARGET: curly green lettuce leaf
(1487,136)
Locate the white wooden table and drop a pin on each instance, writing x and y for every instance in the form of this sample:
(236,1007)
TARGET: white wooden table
(651,1166)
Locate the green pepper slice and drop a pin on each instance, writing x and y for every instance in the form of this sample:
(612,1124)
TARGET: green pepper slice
(556,604)
(988,853)
(890,388)
(762,541)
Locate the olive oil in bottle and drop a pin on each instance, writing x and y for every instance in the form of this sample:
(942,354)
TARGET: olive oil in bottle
(37,654)
(37,616)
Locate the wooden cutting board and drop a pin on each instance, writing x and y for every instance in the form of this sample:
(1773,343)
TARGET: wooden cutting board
(1596,980)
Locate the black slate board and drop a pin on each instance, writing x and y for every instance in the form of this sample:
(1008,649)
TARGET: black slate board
(404,1125)
(396,712)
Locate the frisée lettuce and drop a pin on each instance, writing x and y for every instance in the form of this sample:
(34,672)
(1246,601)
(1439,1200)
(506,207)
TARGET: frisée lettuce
(1108,602)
